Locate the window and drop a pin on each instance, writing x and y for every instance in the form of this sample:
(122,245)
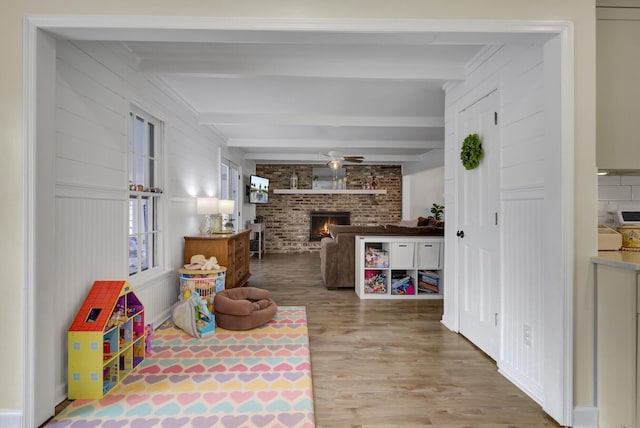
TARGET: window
(229,185)
(145,197)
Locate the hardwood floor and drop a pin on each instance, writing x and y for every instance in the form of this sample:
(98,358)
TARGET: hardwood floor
(391,363)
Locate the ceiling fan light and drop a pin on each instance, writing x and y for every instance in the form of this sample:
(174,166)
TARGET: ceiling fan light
(334,164)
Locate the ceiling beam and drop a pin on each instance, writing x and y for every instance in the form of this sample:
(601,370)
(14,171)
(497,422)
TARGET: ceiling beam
(266,143)
(319,120)
(197,67)
(319,158)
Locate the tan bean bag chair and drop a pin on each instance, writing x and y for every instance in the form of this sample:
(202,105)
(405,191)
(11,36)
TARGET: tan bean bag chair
(243,308)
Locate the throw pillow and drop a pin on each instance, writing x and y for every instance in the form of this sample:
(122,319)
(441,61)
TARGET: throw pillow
(409,223)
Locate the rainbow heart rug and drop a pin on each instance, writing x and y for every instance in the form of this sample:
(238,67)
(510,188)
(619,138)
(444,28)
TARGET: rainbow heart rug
(253,378)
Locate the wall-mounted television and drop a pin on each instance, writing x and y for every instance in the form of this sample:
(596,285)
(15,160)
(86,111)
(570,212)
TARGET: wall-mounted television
(258,189)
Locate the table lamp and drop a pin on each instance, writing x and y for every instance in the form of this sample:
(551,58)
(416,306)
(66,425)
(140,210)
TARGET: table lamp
(226,207)
(209,208)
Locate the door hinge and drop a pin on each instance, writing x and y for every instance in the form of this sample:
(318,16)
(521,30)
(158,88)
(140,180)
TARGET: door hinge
(496,319)
(496,218)
(495,117)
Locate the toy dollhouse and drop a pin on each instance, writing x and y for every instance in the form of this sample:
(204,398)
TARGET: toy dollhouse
(106,340)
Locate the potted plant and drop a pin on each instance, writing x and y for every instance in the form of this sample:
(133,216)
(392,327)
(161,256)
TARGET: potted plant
(437,211)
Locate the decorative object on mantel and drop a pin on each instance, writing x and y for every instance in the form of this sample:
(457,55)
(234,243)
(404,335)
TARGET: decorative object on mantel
(437,210)
(330,191)
(471,152)
(294,180)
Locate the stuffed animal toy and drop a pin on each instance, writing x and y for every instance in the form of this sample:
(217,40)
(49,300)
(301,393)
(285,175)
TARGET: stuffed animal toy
(210,264)
(148,330)
(117,319)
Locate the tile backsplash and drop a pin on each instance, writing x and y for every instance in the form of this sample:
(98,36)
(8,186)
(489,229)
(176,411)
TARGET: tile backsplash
(615,191)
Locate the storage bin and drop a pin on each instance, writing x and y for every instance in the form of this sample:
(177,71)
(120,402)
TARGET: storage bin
(402,254)
(376,258)
(428,256)
(205,282)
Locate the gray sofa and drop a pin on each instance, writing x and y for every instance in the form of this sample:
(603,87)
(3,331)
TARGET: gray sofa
(337,252)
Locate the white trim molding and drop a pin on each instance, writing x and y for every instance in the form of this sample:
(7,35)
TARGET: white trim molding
(11,419)
(585,417)
(120,27)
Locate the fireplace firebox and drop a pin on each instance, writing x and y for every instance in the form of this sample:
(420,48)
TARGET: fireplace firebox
(320,221)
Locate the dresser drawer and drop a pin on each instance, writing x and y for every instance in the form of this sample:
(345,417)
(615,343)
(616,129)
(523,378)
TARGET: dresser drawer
(240,245)
(239,260)
(239,273)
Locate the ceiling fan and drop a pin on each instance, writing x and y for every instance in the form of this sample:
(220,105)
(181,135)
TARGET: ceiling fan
(336,159)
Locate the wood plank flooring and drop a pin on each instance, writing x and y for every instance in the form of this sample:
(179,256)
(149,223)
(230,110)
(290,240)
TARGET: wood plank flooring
(391,363)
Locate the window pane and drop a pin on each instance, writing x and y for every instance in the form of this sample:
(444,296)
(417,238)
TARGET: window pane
(133,215)
(133,255)
(152,154)
(144,252)
(154,249)
(131,149)
(144,226)
(140,170)
(139,137)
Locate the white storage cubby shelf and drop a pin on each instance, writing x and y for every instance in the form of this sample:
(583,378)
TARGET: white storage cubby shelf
(399,267)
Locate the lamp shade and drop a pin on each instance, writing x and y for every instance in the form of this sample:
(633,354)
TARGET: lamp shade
(226,206)
(207,206)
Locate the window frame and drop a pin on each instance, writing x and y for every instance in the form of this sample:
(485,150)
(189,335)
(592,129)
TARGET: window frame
(149,205)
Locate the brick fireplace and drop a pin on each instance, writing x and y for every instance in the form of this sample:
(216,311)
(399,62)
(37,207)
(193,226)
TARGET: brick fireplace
(287,217)
(319,222)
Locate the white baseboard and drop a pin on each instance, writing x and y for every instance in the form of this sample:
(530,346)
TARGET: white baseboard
(10,418)
(585,417)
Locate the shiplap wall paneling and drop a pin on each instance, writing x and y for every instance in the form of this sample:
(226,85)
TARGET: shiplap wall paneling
(517,72)
(191,149)
(95,84)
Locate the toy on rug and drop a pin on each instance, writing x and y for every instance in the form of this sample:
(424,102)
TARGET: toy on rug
(210,264)
(200,262)
(243,308)
(148,331)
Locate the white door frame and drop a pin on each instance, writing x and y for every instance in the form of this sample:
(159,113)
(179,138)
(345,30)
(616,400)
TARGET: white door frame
(107,27)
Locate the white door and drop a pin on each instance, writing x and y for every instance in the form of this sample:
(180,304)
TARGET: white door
(478,251)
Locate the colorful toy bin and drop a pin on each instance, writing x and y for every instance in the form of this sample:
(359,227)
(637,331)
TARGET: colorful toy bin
(204,282)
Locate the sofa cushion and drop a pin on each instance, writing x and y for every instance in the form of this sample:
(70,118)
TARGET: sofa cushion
(409,223)
(336,229)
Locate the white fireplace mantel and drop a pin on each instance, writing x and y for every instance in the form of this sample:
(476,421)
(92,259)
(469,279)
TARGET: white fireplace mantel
(330,191)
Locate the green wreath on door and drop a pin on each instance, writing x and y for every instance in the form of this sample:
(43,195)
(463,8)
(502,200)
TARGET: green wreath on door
(471,152)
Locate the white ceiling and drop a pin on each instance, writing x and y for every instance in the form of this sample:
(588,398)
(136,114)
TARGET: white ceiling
(293,96)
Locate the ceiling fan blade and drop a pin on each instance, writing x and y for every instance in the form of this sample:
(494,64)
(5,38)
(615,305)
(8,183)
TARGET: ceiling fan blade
(354,159)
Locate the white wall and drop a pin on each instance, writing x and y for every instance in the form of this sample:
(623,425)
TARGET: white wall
(94,87)
(420,190)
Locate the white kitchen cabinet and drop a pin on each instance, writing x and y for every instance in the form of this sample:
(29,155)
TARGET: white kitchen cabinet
(618,87)
(617,344)
(399,267)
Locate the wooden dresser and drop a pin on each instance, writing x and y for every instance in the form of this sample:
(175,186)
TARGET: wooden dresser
(231,250)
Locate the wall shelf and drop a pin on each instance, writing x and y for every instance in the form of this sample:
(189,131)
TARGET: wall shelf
(330,191)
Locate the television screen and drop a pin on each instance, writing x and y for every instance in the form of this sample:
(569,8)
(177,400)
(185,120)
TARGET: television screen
(258,190)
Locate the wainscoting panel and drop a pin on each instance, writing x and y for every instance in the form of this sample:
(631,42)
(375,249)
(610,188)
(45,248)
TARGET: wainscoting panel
(158,295)
(89,247)
(522,300)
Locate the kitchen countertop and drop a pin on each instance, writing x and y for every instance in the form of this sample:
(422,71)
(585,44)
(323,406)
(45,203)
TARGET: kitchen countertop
(621,259)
